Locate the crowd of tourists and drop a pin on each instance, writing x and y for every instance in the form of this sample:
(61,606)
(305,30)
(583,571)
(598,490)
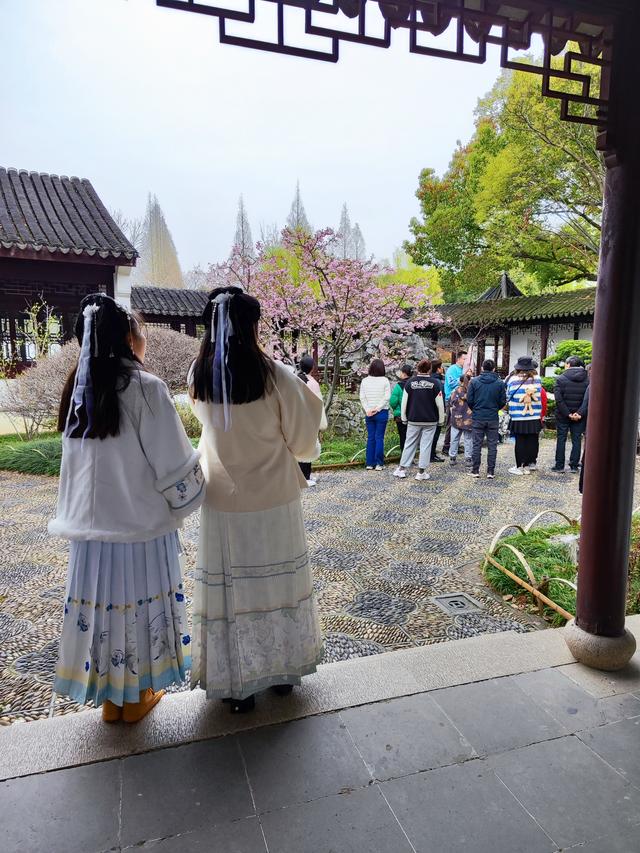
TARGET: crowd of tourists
(472,411)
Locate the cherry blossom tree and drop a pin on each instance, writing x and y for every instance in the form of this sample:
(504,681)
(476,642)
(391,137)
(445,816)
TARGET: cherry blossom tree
(339,303)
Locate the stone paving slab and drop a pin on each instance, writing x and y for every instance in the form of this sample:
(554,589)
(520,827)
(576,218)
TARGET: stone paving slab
(322,785)
(381,551)
(75,739)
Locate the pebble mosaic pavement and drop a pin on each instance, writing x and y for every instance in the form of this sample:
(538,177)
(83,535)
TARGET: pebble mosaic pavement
(381,550)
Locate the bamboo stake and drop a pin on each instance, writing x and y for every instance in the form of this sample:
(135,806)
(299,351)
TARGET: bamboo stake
(530,589)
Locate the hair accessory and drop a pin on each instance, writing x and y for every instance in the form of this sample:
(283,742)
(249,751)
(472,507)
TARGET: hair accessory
(221,330)
(82,394)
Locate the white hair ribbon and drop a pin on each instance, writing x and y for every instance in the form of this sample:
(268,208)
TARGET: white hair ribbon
(221,330)
(82,394)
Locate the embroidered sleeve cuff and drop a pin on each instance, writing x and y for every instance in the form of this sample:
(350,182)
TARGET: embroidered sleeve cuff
(186,494)
(168,480)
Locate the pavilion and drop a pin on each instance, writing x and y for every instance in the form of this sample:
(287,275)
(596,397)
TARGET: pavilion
(58,243)
(504,324)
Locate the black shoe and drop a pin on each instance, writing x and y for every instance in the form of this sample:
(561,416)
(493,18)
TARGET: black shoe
(437,458)
(557,470)
(575,470)
(282,689)
(241,706)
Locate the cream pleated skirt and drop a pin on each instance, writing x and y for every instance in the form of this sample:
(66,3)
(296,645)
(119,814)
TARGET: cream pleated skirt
(255,622)
(125,624)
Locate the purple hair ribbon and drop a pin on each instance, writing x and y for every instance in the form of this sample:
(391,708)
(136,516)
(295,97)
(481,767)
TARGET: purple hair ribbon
(82,394)
(221,331)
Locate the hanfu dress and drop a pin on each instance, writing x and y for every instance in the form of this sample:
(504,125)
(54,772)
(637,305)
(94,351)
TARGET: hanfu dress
(121,501)
(255,622)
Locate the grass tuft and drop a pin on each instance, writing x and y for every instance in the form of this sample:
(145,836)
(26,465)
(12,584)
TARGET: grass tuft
(546,559)
(40,456)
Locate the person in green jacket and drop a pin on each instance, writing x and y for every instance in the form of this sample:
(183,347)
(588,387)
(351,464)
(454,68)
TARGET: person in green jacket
(395,403)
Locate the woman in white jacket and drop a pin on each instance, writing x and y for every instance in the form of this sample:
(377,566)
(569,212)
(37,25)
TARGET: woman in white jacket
(375,393)
(255,623)
(129,475)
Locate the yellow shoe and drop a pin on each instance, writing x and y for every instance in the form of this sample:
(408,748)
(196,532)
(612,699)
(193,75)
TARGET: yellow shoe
(111,713)
(133,712)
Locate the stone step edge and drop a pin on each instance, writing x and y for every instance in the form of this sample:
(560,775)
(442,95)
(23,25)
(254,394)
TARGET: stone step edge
(180,718)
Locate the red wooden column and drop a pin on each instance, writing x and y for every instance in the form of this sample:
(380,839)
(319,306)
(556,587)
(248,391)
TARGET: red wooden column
(544,344)
(506,351)
(598,637)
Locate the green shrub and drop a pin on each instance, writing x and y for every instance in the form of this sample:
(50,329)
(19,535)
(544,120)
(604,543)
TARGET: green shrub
(565,349)
(191,424)
(549,383)
(633,592)
(545,559)
(40,456)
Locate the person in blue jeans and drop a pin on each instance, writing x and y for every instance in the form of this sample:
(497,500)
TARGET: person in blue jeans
(570,390)
(375,393)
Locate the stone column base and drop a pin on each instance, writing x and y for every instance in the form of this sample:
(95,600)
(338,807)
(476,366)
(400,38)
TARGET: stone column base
(607,653)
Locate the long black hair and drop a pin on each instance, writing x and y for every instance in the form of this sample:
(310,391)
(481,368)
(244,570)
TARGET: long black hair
(249,368)
(112,364)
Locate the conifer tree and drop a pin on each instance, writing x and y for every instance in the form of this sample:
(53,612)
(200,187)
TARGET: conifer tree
(359,246)
(344,237)
(158,264)
(243,240)
(297,219)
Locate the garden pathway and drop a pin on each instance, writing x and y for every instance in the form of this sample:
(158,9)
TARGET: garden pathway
(382,550)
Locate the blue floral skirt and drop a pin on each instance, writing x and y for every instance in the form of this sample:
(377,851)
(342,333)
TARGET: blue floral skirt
(125,623)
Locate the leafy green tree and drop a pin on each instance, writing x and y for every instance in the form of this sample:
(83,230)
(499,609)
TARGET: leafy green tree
(404,271)
(524,195)
(565,349)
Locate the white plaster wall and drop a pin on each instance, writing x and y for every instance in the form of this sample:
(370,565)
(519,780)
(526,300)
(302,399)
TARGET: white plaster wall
(527,341)
(122,286)
(586,334)
(519,347)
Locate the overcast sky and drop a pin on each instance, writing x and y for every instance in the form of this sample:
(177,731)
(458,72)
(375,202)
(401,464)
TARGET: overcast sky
(140,99)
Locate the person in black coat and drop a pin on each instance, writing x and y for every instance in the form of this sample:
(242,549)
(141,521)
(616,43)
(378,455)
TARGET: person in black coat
(570,389)
(437,373)
(486,395)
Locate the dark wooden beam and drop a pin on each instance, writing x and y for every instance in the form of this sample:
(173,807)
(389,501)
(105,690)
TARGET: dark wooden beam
(610,460)
(544,342)
(480,358)
(506,352)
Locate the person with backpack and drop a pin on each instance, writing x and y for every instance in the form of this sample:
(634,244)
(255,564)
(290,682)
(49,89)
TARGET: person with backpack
(570,389)
(461,422)
(486,395)
(451,380)
(525,403)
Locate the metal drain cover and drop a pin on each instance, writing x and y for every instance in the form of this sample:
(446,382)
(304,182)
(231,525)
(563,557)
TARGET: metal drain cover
(457,602)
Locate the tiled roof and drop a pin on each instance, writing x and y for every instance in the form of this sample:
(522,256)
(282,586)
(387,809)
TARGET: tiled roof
(168,301)
(503,290)
(520,309)
(47,215)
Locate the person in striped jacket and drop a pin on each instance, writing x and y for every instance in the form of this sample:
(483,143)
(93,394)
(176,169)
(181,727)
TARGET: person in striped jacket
(524,400)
